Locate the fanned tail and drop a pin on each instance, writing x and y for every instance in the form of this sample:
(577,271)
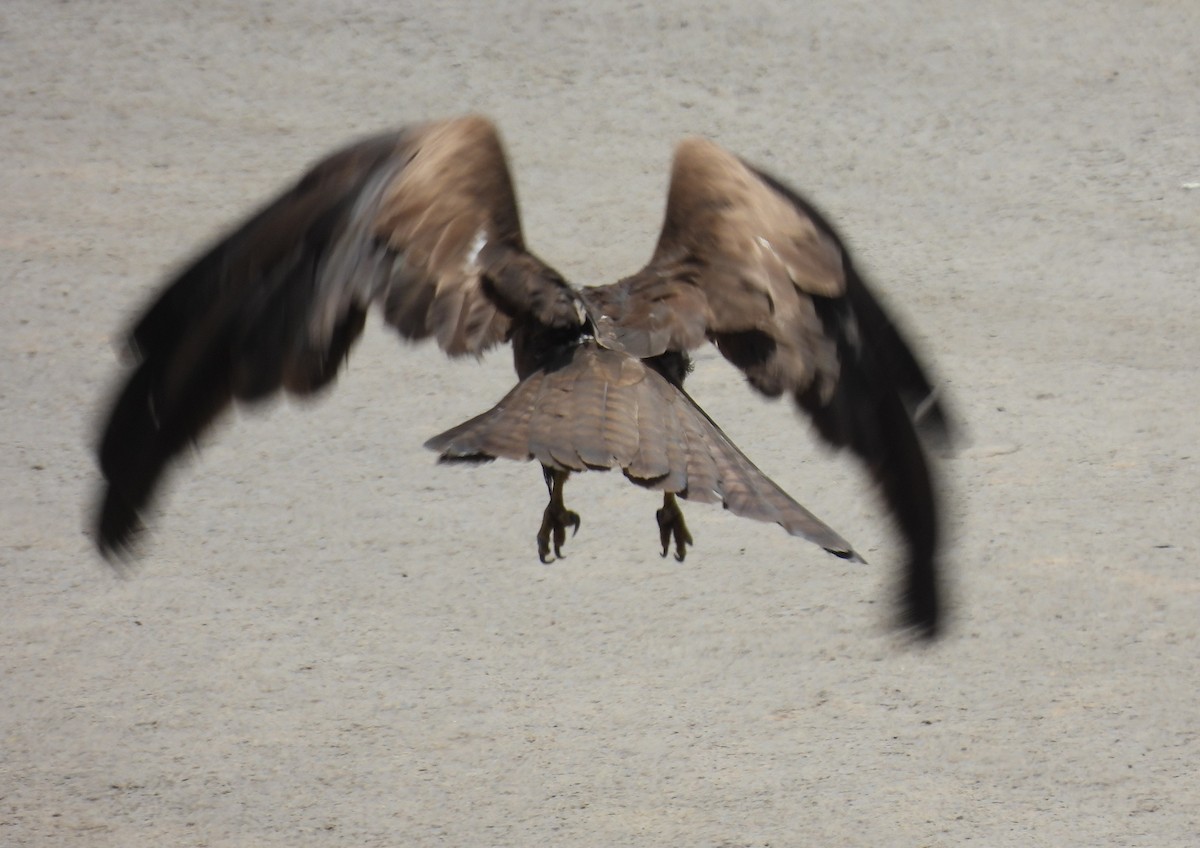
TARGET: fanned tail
(605,409)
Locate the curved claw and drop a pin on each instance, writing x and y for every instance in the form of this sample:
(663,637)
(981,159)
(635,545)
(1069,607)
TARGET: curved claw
(555,521)
(556,518)
(671,527)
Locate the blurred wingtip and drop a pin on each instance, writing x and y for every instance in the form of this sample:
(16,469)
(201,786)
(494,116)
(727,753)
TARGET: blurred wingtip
(936,423)
(922,614)
(119,531)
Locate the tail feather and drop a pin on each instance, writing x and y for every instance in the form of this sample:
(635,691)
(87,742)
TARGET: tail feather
(645,423)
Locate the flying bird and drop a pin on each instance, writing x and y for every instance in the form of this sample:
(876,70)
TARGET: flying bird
(422,224)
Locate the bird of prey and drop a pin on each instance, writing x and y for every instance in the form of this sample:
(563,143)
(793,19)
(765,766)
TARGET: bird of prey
(423,224)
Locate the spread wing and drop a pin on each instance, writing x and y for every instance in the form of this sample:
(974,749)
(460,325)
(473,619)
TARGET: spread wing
(606,409)
(422,222)
(746,263)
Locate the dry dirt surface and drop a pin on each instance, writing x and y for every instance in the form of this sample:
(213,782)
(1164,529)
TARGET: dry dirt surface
(333,641)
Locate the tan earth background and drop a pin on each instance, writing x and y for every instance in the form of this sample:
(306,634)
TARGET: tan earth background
(333,641)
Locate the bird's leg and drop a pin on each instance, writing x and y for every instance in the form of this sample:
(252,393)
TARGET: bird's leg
(557,517)
(671,526)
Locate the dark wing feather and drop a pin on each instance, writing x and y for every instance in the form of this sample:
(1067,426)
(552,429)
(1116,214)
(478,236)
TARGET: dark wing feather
(605,409)
(423,221)
(745,262)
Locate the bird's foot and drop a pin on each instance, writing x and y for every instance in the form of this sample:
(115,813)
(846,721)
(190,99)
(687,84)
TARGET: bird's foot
(671,527)
(555,521)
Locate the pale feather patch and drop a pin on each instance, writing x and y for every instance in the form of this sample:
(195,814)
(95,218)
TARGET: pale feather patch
(477,245)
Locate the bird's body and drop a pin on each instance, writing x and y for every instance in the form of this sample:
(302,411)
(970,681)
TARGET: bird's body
(423,224)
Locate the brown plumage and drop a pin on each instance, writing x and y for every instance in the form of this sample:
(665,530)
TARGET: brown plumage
(423,223)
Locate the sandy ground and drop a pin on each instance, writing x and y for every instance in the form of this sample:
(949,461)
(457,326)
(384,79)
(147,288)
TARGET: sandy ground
(334,642)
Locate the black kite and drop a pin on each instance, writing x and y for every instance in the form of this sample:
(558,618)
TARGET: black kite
(423,223)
